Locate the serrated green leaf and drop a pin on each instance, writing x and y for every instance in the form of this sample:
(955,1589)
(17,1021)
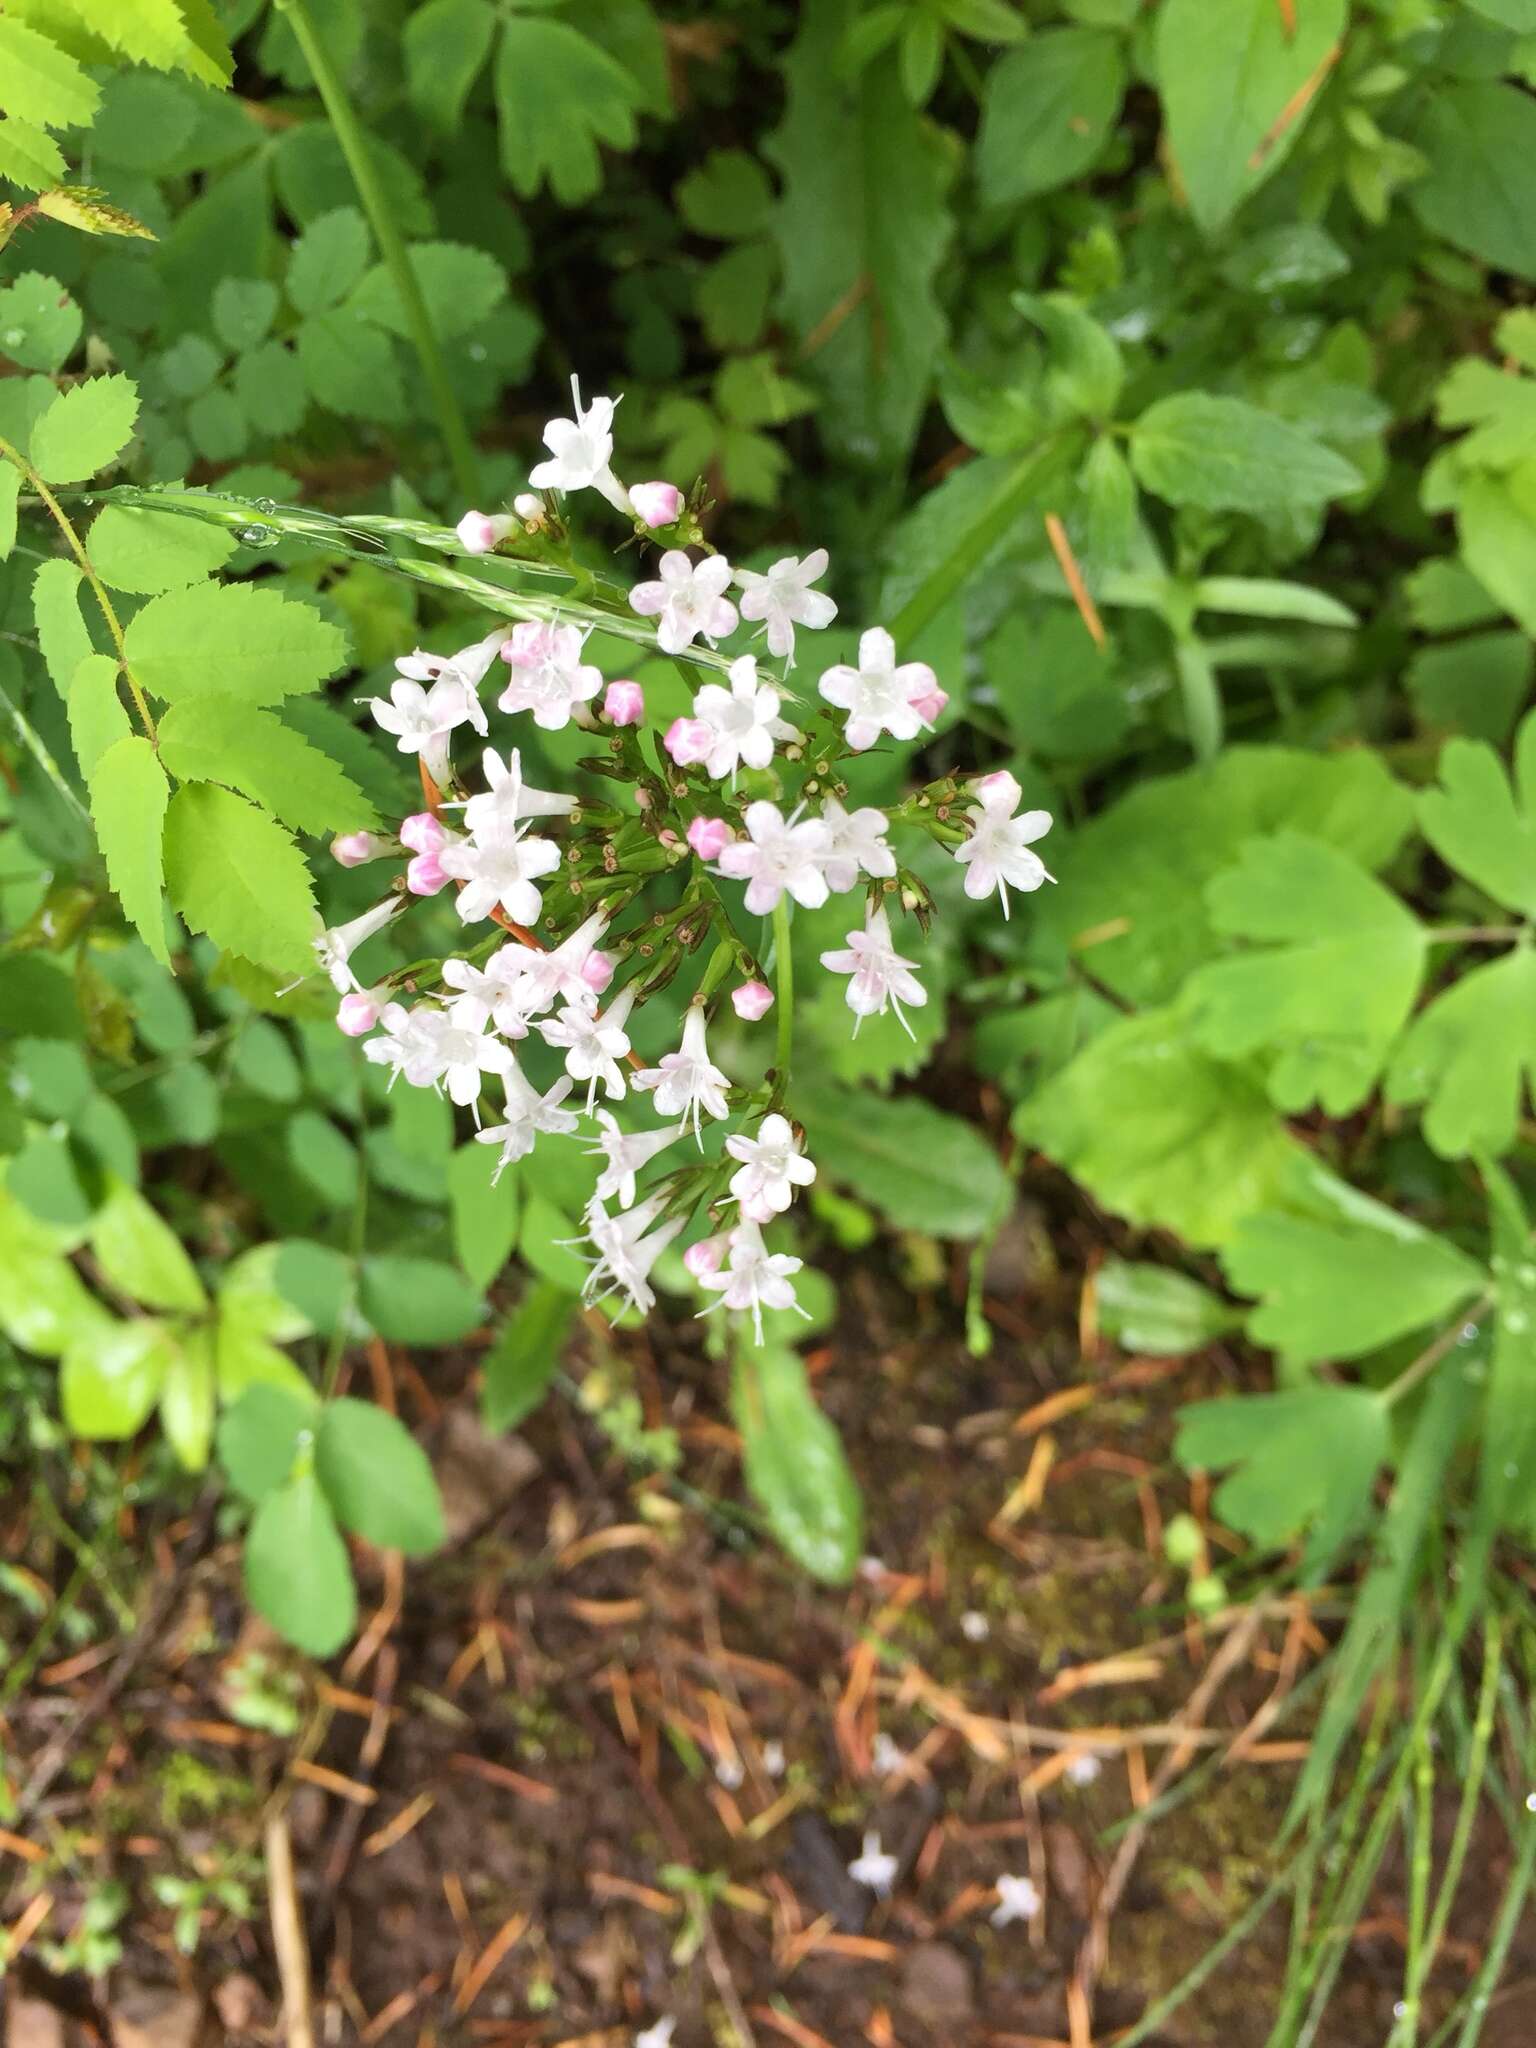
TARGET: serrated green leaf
(135,548)
(243,640)
(521,1363)
(1225,455)
(297,1572)
(109,1383)
(1334,984)
(141,1255)
(445,45)
(1471,1056)
(1481,824)
(29,156)
(1046,112)
(129,798)
(235,874)
(39,78)
(40,321)
(558,95)
(377,1478)
(88,208)
(84,429)
(97,716)
(220,739)
(259,1439)
(61,632)
(462,286)
(328,259)
(794,1463)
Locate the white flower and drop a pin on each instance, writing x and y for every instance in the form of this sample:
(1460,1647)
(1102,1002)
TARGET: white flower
(857,845)
(627,1248)
(581,451)
(658,2036)
(422,719)
(688,600)
(784,598)
(509,800)
(776,855)
(335,944)
(877,695)
(772,1167)
(500,868)
(975,1627)
(407,1044)
(562,970)
(753,1278)
(430,1046)
(1018,1898)
(627,1153)
(773,1758)
(997,856)
(874,1867)
(880,974)
(687,1080)
(549,677)
(730,1772)
(1084,1769)
(528,1113)
(593,1044)
(741,720)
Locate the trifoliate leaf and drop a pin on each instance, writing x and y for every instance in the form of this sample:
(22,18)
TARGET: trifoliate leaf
(235,874)
(219,739)
(141,1255)
(297,1572)
(1225,455)
(1341,1275)
(1308,1455)
(1160,1132)
(97,717)
(557,97)
(244,640)
(129,796)
(1336,980)
(40,321)
(84,429)
(377,1478)
(461,286)
(1471,1056)
(1480,824)
(1047,111)
(794,1463)
(61,632)
(328,259)
(135,548)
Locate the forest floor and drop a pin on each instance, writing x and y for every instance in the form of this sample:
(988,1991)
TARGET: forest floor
(609,1757)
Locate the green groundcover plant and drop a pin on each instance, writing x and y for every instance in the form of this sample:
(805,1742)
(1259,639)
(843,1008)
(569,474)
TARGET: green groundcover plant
(1083,410)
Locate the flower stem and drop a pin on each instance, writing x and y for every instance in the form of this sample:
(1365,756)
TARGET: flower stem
(784,992)
(365,176)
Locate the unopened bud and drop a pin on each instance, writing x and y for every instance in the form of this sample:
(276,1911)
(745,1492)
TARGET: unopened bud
(657,504)
(422,833)
(352,849)
(358,1013)
(707,1256)
(479,533)
(424,876)
(709,837)
(624,703)
(688,740)
(752,1000)
(597,971)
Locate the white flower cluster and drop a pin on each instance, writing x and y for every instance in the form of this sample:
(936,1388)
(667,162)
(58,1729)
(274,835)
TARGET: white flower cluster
(496,848)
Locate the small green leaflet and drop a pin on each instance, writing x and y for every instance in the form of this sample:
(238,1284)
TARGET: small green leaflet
(418,1301)
(485,1216)
(377,1478)
(328,259)
(297,1571)
(350,366)
(1336,980)
(521,1363)
(39,79)
(1471,1056)
(1484,828)
(557,97)
(445,44)
(137,549)
(1158,1311)
(1047,111)
(141,1255)
(1225,455)
(1496,524)
(244,640)
(84,428)
(109,1381)
(97,718)
(129,798)
(61,632)
(1508,1465)
(1340,1275)
(188,1396)
(794,1463)
(216,738)
(461,285)
(236,874)
(1307,1455)
(259,1439)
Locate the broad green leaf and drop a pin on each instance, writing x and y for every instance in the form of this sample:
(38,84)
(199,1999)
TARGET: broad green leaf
(521,1363)
(445,43)
(1046,112)
(727,196)
(1496,523)
(297,1572)
(484,1216)
(1519,15)
(1084,369)
(37,999)
(1480,824)
(235,874)
(244,1358)
(44,1305)
(1340,1275)
(1333,985)
(543,1242)
(141,1255)
(84,429)
(461,286)
(244,640)
(61,632)
(377,1478)
(317,1281)
(98,718)
(1231,79)
(558,95)
(1161,1133)
(1471,1056)
(1474,685)
(1140,926)
(1308,1455)
(1480,191)
(328,259)
(1158,1311)
(135,548)
(109,1382)
(413,1300)
(1225,455)
(923,1169)
(862,229)
(37,77)
(220,739)
(248,1288)
(189,1396)
(350,366)
(40,321)
(259,1439)
(129,800)
(794,1464)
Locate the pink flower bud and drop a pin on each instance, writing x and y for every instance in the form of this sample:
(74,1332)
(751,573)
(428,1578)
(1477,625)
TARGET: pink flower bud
(752,1000)
(657,504)
(423,833)
(597,971)
(688,740)
(709,837)
(358,1013)
(931,702)
(353,848)
(1000,788)
(479,534)
(624,703)
(424,876)
(707,1256)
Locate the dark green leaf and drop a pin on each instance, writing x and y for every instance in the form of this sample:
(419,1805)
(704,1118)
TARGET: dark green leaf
(522,1361)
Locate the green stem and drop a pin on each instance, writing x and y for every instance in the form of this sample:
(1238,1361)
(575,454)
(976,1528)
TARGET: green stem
(354,147)
(77,549)
(784,996)
(1430,1357)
